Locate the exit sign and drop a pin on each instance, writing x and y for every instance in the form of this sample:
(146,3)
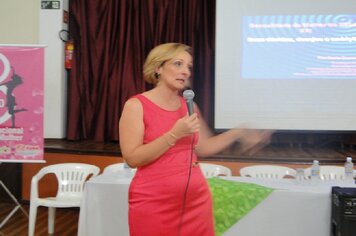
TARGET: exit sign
(50,4)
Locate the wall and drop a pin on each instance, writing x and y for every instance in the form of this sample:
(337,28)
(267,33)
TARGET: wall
(50,24)
(19,21)
(23,22)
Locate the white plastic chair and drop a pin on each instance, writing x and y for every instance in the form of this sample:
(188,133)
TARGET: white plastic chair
(213,170)
(267,171)
(329,172)
(71,178)
(110,169)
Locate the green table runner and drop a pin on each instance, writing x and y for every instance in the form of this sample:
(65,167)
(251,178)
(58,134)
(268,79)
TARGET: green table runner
(233,200)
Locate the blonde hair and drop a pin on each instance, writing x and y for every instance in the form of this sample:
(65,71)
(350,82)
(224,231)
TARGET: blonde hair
(158,56)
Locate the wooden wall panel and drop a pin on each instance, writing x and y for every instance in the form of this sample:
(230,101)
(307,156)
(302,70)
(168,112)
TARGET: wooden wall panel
(10,175)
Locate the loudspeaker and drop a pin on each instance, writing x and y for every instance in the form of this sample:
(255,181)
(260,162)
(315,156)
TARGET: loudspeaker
(343,214)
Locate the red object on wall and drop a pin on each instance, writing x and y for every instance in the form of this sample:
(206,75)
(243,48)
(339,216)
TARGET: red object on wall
(69,47)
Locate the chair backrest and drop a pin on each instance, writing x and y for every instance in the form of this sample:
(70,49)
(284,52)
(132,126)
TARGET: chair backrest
(212,170)
(70,176)
(267,171)
(116,167)
(329,172)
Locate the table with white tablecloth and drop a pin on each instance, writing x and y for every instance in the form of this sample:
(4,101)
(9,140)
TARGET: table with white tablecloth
(293,208)
(104,209)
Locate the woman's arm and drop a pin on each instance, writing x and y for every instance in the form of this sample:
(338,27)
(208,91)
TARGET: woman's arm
(209,144)
(131,132)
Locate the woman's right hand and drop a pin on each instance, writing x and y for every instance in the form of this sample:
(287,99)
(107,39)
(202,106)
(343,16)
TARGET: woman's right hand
(186,126)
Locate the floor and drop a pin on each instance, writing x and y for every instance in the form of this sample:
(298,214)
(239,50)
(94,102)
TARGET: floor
(66,223)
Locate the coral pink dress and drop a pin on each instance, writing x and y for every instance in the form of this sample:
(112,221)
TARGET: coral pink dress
(156,192)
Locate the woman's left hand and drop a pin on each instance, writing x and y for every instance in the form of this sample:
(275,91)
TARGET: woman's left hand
(251,140)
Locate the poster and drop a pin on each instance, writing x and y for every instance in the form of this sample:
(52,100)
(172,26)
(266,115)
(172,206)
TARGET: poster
(21,103)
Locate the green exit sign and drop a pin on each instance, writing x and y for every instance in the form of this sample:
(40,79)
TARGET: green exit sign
(50,4)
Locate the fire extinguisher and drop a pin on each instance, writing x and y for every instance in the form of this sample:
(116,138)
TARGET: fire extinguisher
(69,48)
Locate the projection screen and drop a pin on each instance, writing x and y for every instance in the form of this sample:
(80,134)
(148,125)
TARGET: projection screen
(286,65)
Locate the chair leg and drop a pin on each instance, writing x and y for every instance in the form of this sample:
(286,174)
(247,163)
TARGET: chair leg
(32,219)
(51,219)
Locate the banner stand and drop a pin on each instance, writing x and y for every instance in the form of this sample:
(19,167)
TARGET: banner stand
(18,205)
(21,109)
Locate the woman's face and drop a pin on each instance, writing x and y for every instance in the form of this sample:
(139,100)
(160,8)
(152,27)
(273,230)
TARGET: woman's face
(176,72)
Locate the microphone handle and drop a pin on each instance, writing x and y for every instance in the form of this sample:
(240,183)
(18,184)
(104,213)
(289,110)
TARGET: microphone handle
(190,106)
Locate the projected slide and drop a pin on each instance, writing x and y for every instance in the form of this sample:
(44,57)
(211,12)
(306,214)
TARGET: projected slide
(285,64)
(299,46)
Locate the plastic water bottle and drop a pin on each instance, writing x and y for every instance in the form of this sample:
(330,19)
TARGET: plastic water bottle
(349,170)
(300,177)
(315,172)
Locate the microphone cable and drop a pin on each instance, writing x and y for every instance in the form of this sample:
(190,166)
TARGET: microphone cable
(186,187)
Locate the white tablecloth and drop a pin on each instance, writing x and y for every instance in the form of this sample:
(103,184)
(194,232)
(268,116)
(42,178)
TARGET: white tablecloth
(293,209)
(104,209)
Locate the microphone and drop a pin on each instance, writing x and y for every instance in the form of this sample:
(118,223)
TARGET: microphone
(188,96)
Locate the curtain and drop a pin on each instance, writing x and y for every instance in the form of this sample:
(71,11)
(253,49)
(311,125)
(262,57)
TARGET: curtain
(112,39)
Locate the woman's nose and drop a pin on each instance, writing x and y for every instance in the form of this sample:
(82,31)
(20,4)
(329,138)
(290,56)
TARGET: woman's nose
(187,71)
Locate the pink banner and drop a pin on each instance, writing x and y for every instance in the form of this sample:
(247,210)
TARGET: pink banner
(21,103)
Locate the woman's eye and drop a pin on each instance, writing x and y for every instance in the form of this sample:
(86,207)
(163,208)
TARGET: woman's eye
(178,63)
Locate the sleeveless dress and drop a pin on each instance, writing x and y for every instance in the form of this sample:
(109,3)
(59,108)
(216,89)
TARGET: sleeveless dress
(157,191)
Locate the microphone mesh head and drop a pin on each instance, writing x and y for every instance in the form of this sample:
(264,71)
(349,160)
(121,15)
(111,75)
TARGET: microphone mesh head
(188,94)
